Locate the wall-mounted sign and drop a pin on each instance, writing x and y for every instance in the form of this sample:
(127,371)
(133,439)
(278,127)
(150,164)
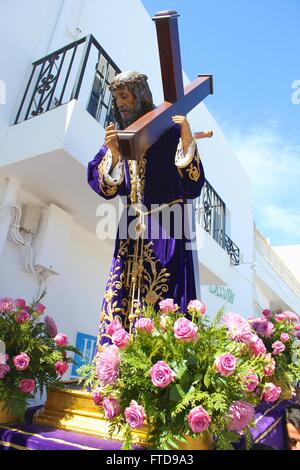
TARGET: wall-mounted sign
(221,291)
(87,346)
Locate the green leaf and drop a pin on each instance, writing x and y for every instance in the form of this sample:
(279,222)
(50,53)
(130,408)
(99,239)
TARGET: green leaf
(176,392)
(206,379)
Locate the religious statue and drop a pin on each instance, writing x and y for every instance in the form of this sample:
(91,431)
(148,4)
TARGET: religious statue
(152,263)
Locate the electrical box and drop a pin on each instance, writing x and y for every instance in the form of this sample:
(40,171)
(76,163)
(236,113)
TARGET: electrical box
(30,218)
(51,244)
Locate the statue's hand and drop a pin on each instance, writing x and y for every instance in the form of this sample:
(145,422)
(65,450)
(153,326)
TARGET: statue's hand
(186,133)
(111,141)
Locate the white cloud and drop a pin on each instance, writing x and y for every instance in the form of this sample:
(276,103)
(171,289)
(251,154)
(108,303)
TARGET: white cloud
(273,164)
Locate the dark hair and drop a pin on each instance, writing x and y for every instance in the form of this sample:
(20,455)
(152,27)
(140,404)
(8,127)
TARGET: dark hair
(138,86)
(292,415)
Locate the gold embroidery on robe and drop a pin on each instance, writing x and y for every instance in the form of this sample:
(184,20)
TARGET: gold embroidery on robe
(137,173)
(107,189)
(154,286)
(193,169)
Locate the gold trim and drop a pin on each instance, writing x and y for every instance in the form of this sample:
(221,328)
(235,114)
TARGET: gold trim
(267,431)
(15,446)
(192,170)
(53,439)
(105,188)
(267,411)
(74,410)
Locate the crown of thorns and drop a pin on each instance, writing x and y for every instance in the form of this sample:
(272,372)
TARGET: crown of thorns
(132,80)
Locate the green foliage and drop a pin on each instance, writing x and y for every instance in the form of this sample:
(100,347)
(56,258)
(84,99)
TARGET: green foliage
(29,336)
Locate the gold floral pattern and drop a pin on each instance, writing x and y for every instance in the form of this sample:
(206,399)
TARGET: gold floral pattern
(193,169)
(155,280)
(153,288)
(107,189)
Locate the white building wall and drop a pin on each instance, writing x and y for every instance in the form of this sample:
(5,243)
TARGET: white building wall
(290,255)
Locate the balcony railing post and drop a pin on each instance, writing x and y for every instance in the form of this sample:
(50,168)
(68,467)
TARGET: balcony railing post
(82,67)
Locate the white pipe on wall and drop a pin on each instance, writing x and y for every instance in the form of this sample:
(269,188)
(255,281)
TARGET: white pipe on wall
(10,197)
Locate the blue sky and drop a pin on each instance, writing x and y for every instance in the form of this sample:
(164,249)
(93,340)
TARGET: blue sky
(252,48)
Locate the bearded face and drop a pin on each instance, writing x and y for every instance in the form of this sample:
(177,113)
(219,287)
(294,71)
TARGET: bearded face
(129,107)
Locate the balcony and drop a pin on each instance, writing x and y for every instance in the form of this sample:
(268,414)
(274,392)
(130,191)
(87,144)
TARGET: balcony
(211,215)
(217,252)
(59,127)
(80,69)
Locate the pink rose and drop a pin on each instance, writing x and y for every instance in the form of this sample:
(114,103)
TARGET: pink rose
(225,364)
(51,326)
(240,415)
(39,308)
(145,324)
(250,381)
(22,316)
(198,419)
(6,305)
(111,407)
(280,317)
(21,362)
(120,338)
(185,330)
(114,325)
(291,316)
(270,392)
(4,368)
(61,339)
(61,367)
(267,313)
(20,303)
(196,306)
(161,374)
(167,305)
(97,396)
(257,346)
(27,385)
(284,337)
(278,347)
(270,367)
(134,415)
(297,326)
(164,321)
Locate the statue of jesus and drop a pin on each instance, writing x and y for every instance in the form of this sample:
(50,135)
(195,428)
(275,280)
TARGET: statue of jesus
(153,263)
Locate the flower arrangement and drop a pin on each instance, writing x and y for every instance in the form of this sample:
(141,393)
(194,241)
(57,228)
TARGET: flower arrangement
(185,376)
(35,353)
(280,333)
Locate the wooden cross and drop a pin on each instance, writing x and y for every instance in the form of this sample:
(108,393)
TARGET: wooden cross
(145,131)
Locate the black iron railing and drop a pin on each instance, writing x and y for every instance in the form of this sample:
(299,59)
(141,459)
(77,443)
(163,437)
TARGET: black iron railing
(210,212)
(232,249)
(81,70)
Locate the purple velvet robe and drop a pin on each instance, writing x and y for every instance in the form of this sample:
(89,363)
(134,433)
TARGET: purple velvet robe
(270,428)
(167,264)
(269,425)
